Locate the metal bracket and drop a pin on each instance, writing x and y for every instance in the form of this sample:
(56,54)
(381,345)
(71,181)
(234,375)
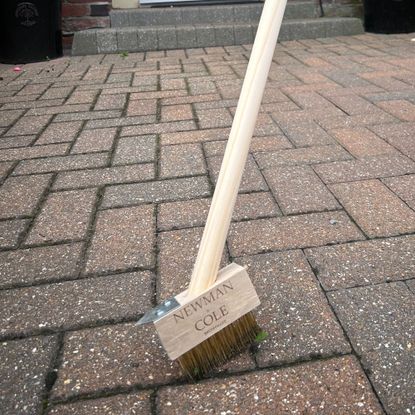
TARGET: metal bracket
(160,311)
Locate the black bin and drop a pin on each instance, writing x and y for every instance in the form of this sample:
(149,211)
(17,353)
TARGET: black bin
(30,31)
(389,16)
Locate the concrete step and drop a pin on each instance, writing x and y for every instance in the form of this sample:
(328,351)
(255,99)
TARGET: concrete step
(208,14)
(141,39)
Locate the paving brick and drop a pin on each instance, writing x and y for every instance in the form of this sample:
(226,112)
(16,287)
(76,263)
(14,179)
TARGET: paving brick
(411,285)
(61,109)
(307,155)
(142,107)
(111,102)
(17,141)
(10,232)
(61,92)
(399,135)
(29,125)
(293,311)
(404,110)
(404,187)
(64,216)
(303,133)
(123,239)
(60,132)
(131,404)
(104,176)
(299,190)
(194,136)
(379,321)
(367,168)
(33,152)
(120,122)
(26,266)
(156,191)
(135,150)
(363,263)
(361,142)
(214,118)
(112,357)
(177,255)
(252,179)
(375,208)
(181,160)
(300,231)
(176,112)
(19,196)
(62,163)
(194,212)
(5,168)
(87,115)
(326,387)
(24,365)
(8,118)
(73,304)
(160,128)
(258,144)
(94,140)
(82,97)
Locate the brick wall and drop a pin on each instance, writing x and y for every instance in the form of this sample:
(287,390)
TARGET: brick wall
(83,14)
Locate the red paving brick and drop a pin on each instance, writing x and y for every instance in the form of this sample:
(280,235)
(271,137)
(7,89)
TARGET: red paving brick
(24,365)
(133,403)
(72,304)
(64,216)
(107,167)
(327,387)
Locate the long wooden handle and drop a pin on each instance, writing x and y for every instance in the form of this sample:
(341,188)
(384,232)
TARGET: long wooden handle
(220,213)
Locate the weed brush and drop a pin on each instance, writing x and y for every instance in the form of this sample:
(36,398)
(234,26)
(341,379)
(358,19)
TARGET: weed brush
(212,320)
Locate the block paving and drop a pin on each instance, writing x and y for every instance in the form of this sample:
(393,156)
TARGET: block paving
(107,169)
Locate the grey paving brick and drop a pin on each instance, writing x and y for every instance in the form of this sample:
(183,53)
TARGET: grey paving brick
(24,365)
(299,190)
(252,179)
(181,160)
(313,229)
(106,40)
(156,191)
(296,156)
(10,231)
(367,168)
(25,266)
(205,36)
(127,39)
(186,37)
(167,37)
(19,196)
(85,43)
(363,263)
(379,321)
(123,239)
(135,150)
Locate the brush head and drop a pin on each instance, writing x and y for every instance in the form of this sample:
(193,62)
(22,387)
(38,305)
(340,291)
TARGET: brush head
(217,349)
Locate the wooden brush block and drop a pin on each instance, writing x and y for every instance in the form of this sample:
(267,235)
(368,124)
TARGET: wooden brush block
(200,317)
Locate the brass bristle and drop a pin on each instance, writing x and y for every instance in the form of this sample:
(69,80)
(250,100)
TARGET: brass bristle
(220,347)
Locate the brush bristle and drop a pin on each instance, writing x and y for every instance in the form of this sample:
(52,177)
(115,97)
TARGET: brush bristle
(220,347)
